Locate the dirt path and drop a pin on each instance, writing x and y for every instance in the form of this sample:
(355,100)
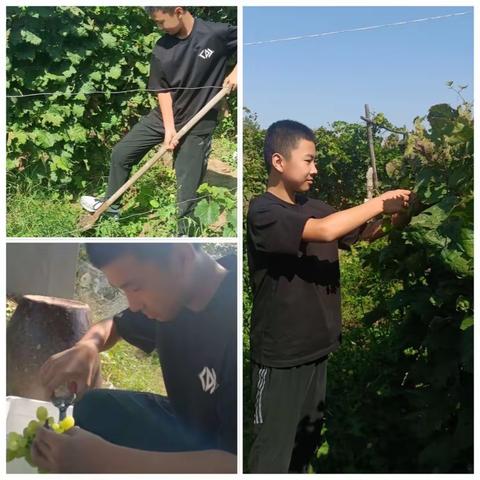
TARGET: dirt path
(220,174)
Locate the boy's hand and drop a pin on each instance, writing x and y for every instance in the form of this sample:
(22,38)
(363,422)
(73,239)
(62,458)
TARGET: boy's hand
(402,219)
(395,201)
(76,451)
(169,141)
(79,364)
(230,81)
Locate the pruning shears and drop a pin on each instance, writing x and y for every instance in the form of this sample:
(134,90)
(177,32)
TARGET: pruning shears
(62,398)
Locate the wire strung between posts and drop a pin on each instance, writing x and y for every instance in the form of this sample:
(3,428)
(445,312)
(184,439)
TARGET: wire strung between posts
(358,29)
(111,92)
(248,44)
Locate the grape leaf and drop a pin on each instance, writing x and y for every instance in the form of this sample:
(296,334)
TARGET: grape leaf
(30,37)
(207,211)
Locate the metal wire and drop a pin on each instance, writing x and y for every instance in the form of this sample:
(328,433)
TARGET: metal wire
(111,92)
(358,29)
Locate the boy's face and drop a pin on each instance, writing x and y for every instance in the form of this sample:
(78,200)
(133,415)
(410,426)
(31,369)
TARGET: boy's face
(170,23)
(158,290)
(299,169)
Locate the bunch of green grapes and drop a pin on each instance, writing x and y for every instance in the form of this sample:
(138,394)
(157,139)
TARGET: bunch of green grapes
(18,446)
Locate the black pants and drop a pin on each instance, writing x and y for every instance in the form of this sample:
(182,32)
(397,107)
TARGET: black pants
(289,409)
(190,160)
(137,420)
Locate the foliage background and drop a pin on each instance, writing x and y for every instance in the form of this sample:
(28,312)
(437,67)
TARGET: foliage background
(59,146)
(400,389)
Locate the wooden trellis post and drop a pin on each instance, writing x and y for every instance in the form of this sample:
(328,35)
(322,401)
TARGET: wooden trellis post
(373,161)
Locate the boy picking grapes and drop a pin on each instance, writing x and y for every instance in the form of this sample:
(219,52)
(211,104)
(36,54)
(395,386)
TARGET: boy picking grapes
(293,243)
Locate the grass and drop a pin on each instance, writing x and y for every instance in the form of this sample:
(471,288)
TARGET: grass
(148,210)
(149,207)
(226,150)
(31,214)
(128,368)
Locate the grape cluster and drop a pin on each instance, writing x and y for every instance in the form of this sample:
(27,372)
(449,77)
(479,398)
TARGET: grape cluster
(18,446)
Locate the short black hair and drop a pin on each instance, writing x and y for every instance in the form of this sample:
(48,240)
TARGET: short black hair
(102,254)
(282,137)
(169,10)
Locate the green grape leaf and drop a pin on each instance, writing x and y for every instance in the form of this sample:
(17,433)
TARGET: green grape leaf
(20,136)
(467,322)
(441,118)
(95,76)
(77,134)
(114,72)
(30,37)
(142,68)
(45,139)
(466,241)
(108,40)
(207,212)
(52,118)
(74,58)
(59,163)
(457,263)
(78,110)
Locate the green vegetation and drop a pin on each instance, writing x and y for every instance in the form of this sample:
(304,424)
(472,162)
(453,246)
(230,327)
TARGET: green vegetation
(400,391)
(58,147)
(32,214)
(128,368)
(147,211)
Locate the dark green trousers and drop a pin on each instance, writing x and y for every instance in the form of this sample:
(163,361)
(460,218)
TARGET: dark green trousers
(288,417)
(190,161)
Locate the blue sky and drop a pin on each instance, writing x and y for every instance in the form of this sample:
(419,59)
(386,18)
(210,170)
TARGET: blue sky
(400,71)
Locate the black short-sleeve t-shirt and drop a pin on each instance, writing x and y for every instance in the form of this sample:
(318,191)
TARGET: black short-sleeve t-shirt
(198,357)
(296,315)
(200,60)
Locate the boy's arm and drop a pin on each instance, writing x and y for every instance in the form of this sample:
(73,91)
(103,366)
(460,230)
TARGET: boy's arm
(102,334)
(80,363)
(372,231)
(166,108)
(131,460)
(336,225)
(80,451)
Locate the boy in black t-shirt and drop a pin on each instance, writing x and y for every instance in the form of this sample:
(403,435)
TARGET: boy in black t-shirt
(188,68)
(292,243)
(182,302)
